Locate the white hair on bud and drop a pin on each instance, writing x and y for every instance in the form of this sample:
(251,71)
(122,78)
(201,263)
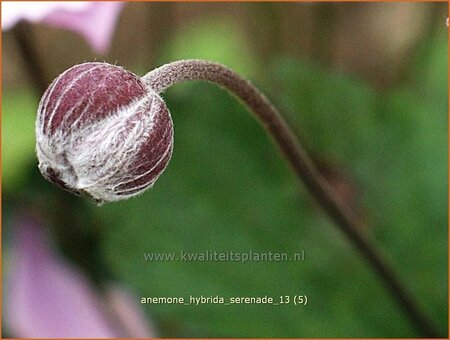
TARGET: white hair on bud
(45,100)
(150,183)
(67,89)
(98,157)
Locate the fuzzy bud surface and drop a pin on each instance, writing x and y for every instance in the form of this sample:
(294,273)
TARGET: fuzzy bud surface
(101,133)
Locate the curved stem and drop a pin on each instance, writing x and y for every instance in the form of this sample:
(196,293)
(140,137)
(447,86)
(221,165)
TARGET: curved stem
(165,76)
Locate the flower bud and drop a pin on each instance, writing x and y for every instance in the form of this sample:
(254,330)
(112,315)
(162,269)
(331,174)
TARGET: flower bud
(101,133)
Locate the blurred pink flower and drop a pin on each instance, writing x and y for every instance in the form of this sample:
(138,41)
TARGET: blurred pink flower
(46,297)
(95,21)
(131,317)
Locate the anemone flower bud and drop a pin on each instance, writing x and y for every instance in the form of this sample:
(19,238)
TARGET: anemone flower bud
(101,133)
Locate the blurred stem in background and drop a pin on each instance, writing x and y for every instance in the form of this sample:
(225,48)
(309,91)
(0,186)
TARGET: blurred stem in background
(324,13)
(34,67)
(160,16)
(268,29)
(79,242)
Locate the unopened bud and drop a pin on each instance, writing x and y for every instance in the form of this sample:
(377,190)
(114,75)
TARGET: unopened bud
(101,133)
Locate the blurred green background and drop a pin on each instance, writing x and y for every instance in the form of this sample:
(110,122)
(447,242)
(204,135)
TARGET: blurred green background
(364,86)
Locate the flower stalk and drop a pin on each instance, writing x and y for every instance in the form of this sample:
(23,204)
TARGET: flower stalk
(170,74)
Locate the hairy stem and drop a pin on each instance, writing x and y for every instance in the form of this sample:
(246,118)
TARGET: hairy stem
(170,74)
